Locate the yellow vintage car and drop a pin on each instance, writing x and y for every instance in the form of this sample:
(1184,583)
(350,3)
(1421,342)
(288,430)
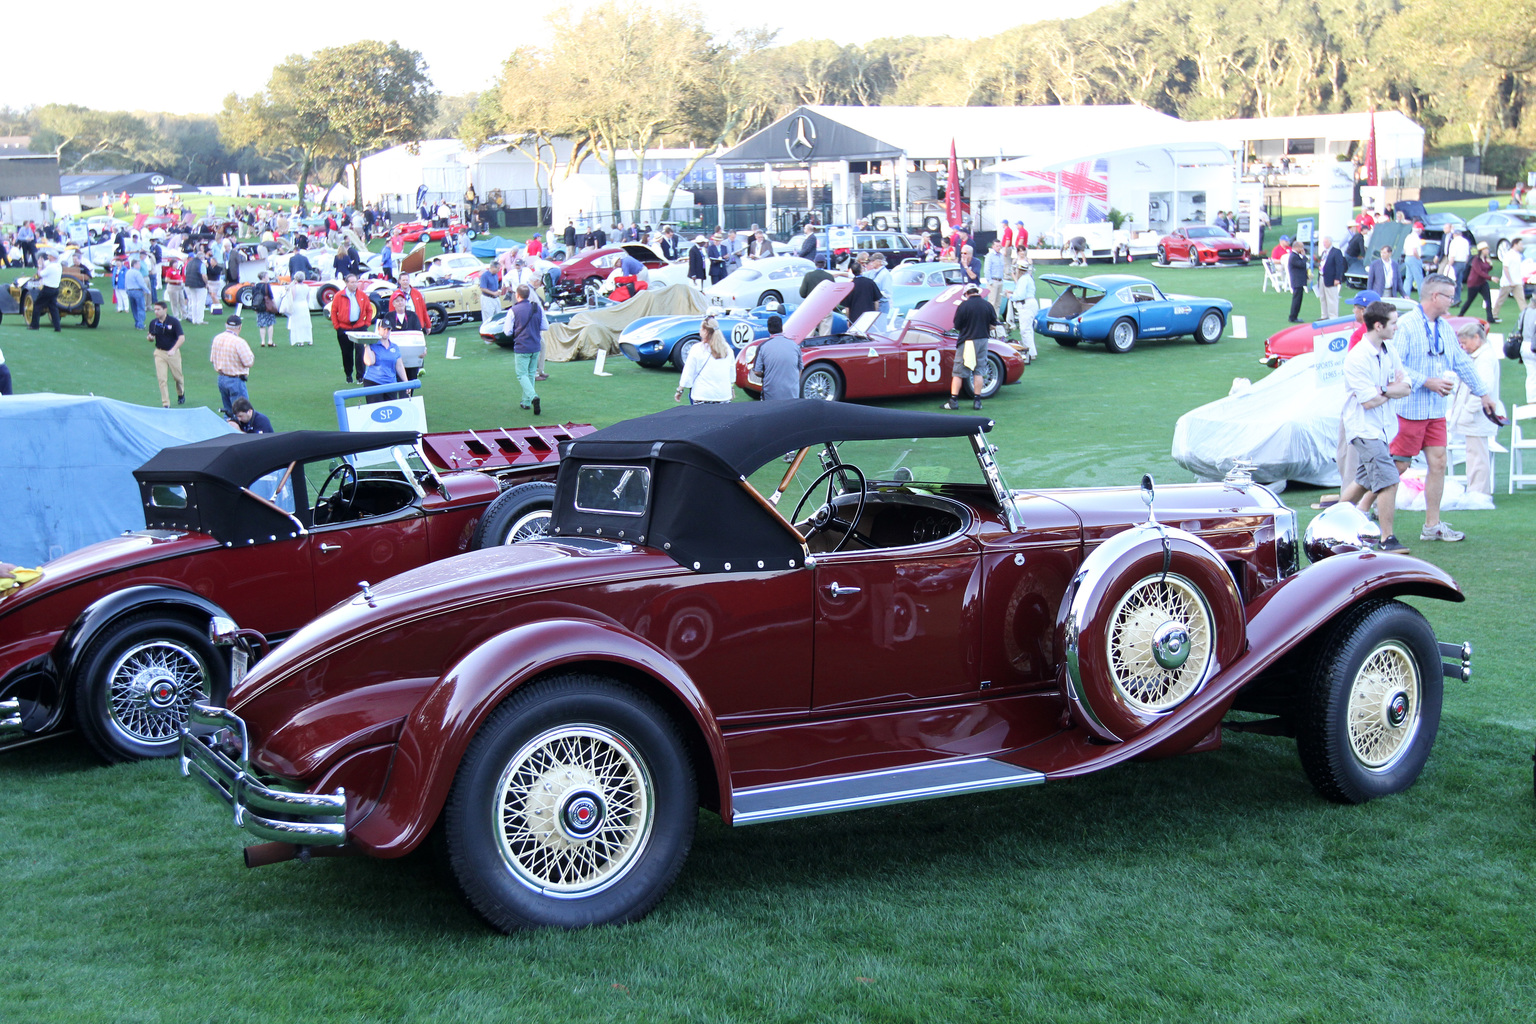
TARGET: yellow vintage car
(76,296)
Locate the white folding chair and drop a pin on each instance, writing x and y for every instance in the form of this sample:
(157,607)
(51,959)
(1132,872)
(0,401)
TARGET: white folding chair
(1519,444)
(1274,277)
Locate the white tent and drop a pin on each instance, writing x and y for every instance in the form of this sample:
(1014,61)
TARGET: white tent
(587,199)
(1326,137)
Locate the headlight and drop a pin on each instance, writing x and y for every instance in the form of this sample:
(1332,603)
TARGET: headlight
(1287,551)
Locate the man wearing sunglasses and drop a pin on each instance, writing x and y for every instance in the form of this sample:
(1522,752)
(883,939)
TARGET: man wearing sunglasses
(1428,349)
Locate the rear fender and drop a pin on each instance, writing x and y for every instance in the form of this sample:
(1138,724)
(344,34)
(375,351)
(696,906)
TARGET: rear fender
(439,730)
(114,606)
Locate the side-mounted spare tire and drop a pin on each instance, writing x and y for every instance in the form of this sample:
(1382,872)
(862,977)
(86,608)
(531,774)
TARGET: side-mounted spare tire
(1150,616)
(519,513)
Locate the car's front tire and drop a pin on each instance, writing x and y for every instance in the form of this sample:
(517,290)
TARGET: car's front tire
(136,681)
(1372,705)
(1162,256)
(519,513)
(1209,331)
(575,805)
(1122,337)
(679,355)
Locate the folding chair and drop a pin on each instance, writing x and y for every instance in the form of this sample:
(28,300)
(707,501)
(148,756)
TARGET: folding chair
(1274,277)
(1519,444)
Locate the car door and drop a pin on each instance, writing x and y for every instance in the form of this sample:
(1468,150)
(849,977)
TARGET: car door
(895,625)
(362,546)
(1153,313)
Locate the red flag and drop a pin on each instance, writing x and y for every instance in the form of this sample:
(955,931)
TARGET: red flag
(1370,154)
(954,209)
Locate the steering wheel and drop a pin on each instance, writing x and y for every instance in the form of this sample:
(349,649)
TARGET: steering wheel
(826,516)
(340,503)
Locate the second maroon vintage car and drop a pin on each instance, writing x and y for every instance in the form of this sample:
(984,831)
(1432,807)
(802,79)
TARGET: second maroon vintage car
(266,530)
(878,619)
(914,357)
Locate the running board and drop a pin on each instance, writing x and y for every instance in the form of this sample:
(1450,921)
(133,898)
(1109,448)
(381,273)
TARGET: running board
(876,789)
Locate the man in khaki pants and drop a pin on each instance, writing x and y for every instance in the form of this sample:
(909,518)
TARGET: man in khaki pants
(165,332)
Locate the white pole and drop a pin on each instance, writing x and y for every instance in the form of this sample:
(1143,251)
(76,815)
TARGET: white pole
(768,200)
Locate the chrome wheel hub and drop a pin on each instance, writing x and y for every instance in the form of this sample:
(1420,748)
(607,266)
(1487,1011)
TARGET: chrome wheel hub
(1383,712)
(1161,639)
(1170,645)
(150,688)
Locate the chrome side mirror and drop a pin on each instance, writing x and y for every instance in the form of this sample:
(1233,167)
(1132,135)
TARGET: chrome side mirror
(1338,529)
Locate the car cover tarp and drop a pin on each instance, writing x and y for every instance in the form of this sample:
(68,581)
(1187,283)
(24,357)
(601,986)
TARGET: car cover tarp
(66,467)
(1287,425)
(597,330)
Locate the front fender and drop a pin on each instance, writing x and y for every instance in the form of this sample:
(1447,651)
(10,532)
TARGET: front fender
(439,730)
(1278,620)
(102,613)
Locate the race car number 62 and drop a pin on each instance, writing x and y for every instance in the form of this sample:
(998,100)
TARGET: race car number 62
(923,366)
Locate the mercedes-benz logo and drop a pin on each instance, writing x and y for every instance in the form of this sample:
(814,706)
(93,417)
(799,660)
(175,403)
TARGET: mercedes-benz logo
(801,142)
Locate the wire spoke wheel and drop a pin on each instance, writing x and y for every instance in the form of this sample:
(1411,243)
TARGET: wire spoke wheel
(151,686)
(574,810)
(1160,643)
(1383,712)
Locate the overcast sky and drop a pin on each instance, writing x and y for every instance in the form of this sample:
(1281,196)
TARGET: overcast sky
(237,45)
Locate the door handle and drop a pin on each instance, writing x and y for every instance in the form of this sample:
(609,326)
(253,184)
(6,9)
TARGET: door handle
(838,590)
(326,549)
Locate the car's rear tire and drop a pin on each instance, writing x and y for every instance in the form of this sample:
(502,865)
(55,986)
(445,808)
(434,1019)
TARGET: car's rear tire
(993,373)
(327,293)
(1162,256)
(136,681)
(822,381)
(437,318)
(1372,704)
(770,296)
(245,297)
(575,805)
(1211,324)
(1068,342)
(1122,337)
(519,513)
(1503,249)
(679,354)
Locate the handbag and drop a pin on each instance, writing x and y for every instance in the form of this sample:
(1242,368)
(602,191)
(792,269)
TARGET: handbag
(267,303)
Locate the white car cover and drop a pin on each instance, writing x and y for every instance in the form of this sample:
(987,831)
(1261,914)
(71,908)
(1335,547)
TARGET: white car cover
(1286,425)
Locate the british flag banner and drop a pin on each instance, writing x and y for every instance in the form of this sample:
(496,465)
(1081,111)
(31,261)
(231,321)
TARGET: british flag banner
(1043,199)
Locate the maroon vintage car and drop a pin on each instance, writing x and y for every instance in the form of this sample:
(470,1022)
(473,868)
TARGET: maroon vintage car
(1202,245)
(914,357)
(591,269)
(879,619)
(265,530)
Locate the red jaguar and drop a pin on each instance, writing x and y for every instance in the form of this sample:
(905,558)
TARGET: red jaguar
(914,357)
(412,231)
(1202,245)
(877,617)
(266,530)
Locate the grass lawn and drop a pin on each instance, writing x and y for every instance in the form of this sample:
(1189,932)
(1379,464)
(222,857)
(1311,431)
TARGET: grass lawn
(1211,887)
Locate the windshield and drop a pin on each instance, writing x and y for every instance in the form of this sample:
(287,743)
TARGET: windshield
(925,464)
(1208,233)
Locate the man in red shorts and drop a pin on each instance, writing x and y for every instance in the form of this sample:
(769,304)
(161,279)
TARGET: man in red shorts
(1428,348)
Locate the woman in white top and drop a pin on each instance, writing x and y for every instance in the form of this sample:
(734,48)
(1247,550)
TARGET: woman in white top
(710,369)
(1512,279)
(1465,416)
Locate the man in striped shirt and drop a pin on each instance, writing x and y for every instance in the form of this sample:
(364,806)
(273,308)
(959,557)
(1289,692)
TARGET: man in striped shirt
(1428,348)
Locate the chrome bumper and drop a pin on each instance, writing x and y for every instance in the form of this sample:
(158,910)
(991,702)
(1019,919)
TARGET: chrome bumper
(278,815)
(10,718)
(1457,661)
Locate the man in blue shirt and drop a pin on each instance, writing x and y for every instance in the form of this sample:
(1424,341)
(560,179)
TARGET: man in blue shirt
(778,364)
(1428,348)
(248,419)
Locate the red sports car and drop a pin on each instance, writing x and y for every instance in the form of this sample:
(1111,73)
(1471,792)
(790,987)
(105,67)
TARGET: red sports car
(418,230)
(880,620)
(913,358)
(266,530)
(1202,245)
(1294,340)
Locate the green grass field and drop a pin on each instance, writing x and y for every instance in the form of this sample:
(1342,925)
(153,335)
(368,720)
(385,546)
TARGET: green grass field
(1212,887)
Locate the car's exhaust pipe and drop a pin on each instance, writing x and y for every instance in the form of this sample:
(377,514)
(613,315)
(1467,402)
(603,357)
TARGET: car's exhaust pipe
(263,854)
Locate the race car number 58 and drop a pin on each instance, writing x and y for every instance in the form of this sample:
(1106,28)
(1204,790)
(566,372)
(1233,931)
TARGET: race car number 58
(923,366)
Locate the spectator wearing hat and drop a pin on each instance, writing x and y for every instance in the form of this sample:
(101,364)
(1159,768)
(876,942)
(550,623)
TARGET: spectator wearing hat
(49,274)
(232,361)
(1479,273)
(1382,275)
(1359,302)
(1282,248)
(383,361)
(1511,277)
(974,320)
(718,254)
(1413,259)
(1297,270)
(698,262)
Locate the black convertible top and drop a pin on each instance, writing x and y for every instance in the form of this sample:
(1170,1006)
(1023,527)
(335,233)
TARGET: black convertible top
(742,436)
(690,463)
(237,459)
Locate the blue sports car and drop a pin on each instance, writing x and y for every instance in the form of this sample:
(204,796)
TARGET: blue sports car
(656,340)
(1117,309)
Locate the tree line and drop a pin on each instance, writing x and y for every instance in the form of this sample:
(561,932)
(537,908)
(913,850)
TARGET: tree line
(631,77)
